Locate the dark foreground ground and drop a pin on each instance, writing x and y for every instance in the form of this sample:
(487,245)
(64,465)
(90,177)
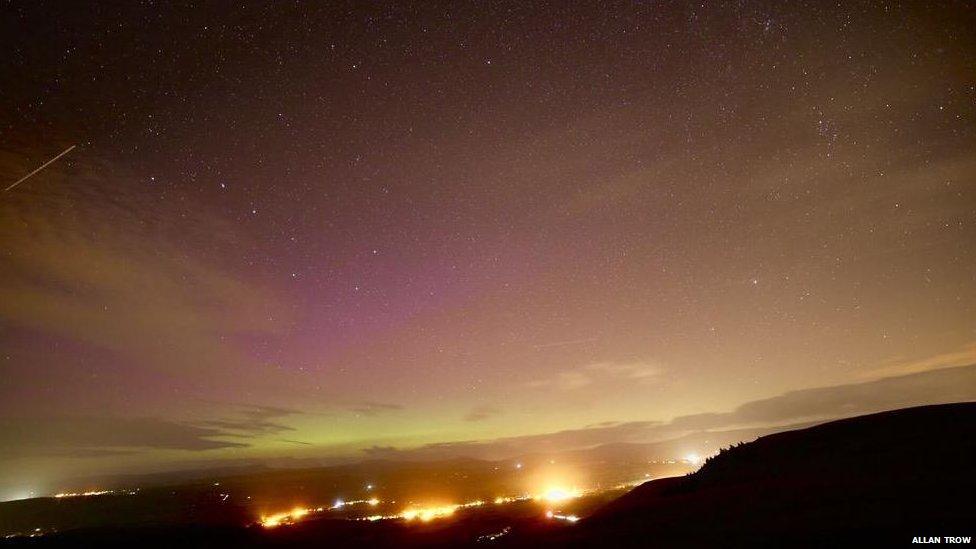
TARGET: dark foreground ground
(876,480)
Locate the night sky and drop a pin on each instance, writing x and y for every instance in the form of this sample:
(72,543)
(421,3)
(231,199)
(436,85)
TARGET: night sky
(291,230)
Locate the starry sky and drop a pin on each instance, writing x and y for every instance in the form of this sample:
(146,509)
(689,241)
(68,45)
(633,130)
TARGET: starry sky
(301,230)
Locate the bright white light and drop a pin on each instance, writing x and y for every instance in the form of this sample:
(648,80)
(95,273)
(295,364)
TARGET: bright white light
(556,495)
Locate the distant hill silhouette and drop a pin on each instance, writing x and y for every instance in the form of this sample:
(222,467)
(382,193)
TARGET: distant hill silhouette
(881,478)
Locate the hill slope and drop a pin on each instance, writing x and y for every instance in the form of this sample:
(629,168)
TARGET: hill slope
(880,478)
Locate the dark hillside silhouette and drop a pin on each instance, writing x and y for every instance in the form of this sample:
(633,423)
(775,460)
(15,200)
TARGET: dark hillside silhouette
(882,477)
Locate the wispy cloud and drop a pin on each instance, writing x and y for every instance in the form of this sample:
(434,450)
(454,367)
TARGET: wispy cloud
(114,435)
(599,372)
(101,436)
(250,420)
(960,357)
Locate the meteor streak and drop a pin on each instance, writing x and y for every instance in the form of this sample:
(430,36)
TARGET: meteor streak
(44,165)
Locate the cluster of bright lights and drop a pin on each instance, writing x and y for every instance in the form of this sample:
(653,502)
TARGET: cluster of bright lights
(373,518)
(288,517)
(512,499)
(35,533)
(566,518)
(492,537)
(427,514)
(424,514)
(87,494)
(339,504)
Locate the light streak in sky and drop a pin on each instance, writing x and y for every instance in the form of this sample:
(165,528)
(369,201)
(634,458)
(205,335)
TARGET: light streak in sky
(42,166)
